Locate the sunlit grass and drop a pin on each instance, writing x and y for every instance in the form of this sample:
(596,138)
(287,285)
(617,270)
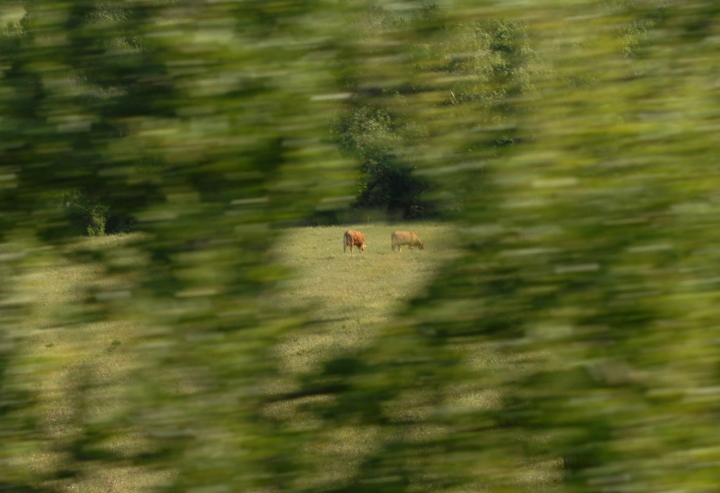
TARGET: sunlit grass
(351,297)
(352,294)
(97,356)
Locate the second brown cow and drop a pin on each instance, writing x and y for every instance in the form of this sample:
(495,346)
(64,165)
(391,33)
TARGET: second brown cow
(409,238)
(354,238)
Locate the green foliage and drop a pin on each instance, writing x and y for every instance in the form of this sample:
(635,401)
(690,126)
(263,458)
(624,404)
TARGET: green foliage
(386,183)
(584,300)
(92,92)
(589,265)
(91,216)
(393,117)
(85,215)
(573,143)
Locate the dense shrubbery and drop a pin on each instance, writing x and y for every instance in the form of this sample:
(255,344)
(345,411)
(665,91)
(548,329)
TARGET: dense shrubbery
(487,64)
(85,215)
(373,128)
(92,216)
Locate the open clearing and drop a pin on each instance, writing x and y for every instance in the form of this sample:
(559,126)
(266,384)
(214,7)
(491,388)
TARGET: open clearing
(351,295)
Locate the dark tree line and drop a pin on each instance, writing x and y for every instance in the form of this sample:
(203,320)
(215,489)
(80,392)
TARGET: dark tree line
(487,64)
(372,127)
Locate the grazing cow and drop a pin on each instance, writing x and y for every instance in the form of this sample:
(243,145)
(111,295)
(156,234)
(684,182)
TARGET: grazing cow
(354,238)
(408,238)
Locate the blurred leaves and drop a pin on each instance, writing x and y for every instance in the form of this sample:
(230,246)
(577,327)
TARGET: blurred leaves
(573,343)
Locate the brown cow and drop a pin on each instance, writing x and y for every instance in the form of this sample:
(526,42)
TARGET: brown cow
(354,238)
(399,238)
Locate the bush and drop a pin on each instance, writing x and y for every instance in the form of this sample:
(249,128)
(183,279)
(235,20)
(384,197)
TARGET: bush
(91,216)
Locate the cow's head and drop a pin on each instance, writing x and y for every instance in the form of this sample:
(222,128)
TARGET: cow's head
(422,245)
(363,247)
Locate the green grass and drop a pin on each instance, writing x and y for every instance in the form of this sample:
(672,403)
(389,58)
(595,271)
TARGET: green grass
(59,358)
(348,297)
(352,294)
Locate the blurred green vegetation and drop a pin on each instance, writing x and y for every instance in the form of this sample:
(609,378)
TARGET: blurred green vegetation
(569,342)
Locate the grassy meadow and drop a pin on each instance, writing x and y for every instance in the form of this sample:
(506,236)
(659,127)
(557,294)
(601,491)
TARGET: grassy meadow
(352,297)
(352,294)
(62,359)
(349,295)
